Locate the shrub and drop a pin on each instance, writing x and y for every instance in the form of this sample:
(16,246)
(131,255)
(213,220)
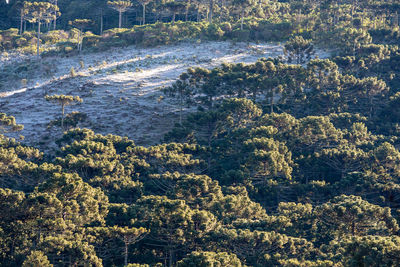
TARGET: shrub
(213,32)
(72,72)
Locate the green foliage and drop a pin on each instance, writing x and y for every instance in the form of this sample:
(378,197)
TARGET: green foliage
(36,259)
(369,250)
(280,165)
(8,124)
(172,223)
(205,259)
(350,215)
(71,120)
(37,12)
(298,50)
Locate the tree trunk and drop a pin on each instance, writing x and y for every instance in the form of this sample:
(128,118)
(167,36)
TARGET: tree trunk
(171,257)
(144,14)
(38,40)
(101,21)
(120,19)
(187,10)
(126,255)
(241,21)
(21,22)
(211,9)
(173,18)
(55,17)
(79,40)
(198,14)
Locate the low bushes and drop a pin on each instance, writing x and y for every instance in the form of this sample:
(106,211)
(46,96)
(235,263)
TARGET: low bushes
(10,39)
(150,35)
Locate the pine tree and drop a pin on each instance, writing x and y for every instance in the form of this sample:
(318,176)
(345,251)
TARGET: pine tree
(121,7)
(63,100)
(38,12)
(144,3)
(80,24)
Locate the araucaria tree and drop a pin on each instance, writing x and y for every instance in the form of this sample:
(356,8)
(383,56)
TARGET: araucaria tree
(175,7)
(80,24)
(121,7)
(144,3)
(38,12)
(63,100)
(243,7)
(54,2)
(299,50)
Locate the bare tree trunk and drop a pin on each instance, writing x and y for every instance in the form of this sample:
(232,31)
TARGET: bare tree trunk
(55,17)
(101,21)
(173,18)
(211,9)
(187,10)
(144,14)
(171,257)
(120,19)
(79,40)
(38,40)
(241,21)
(126,255)
(21,22)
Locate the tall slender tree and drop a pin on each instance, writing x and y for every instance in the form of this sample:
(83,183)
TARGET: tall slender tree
(54,2)
(243,7)
(80,24)
(144,3)
(175,7)
(121,7)
(63,100)
(38,12)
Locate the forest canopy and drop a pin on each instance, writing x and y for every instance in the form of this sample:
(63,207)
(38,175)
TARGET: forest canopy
(286,161)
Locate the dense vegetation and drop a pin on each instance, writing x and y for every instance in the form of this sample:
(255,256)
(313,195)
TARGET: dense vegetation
(280,165)
(337,24)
